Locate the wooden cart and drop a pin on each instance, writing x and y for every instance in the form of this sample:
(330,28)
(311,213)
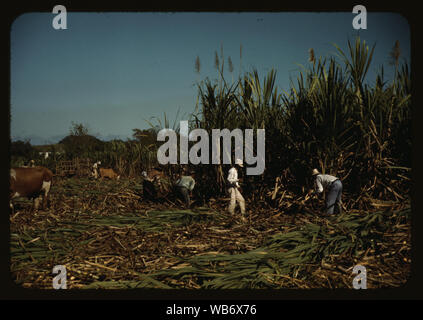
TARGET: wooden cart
(79,167)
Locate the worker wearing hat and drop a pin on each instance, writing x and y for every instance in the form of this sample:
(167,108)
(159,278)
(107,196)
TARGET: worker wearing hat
(148,187)
(184,186)
(233,190)
(333,186)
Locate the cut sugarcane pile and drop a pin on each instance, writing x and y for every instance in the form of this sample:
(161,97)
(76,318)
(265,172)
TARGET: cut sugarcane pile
(108,237)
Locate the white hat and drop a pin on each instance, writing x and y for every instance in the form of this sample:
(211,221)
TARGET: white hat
(239,162)
(314,172)
(144,174)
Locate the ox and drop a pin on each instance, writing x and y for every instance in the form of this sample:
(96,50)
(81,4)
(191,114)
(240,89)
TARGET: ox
(108,173)
(32,183)
(153,175)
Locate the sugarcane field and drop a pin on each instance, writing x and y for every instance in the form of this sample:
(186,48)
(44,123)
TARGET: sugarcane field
(258,187)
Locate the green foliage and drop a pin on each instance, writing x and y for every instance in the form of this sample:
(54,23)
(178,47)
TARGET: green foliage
(22,149)
(128,157)
(78,129)
(330,118)
(81,145)
(146,137)
(21,152)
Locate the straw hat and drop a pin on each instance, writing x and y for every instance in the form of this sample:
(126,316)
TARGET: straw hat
(239,162)
(314,172)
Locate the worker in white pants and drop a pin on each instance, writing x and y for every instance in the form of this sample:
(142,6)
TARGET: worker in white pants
(234,192)
(95,171)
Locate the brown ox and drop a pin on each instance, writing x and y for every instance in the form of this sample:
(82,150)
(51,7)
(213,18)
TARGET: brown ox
(32,183)
(155,175)
(108,173)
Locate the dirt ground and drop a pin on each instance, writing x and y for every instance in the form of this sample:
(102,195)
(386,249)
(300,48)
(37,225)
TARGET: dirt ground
(108,236)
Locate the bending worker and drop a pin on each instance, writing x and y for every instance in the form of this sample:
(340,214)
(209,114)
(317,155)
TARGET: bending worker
(334,188)
(149,190)
(184,185)
(234,192)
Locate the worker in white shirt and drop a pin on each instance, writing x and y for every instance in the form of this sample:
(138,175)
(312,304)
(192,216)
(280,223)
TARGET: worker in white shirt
(333,186)
(234,192)
(95,167)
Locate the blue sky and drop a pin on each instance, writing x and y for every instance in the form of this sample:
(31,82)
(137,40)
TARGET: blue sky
(111,71)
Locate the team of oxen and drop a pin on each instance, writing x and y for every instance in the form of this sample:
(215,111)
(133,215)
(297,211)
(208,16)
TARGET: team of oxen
(35,183)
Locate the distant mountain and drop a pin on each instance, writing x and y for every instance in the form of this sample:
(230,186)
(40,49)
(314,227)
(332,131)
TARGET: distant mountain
(36,140)
(112,137)
(55,139)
